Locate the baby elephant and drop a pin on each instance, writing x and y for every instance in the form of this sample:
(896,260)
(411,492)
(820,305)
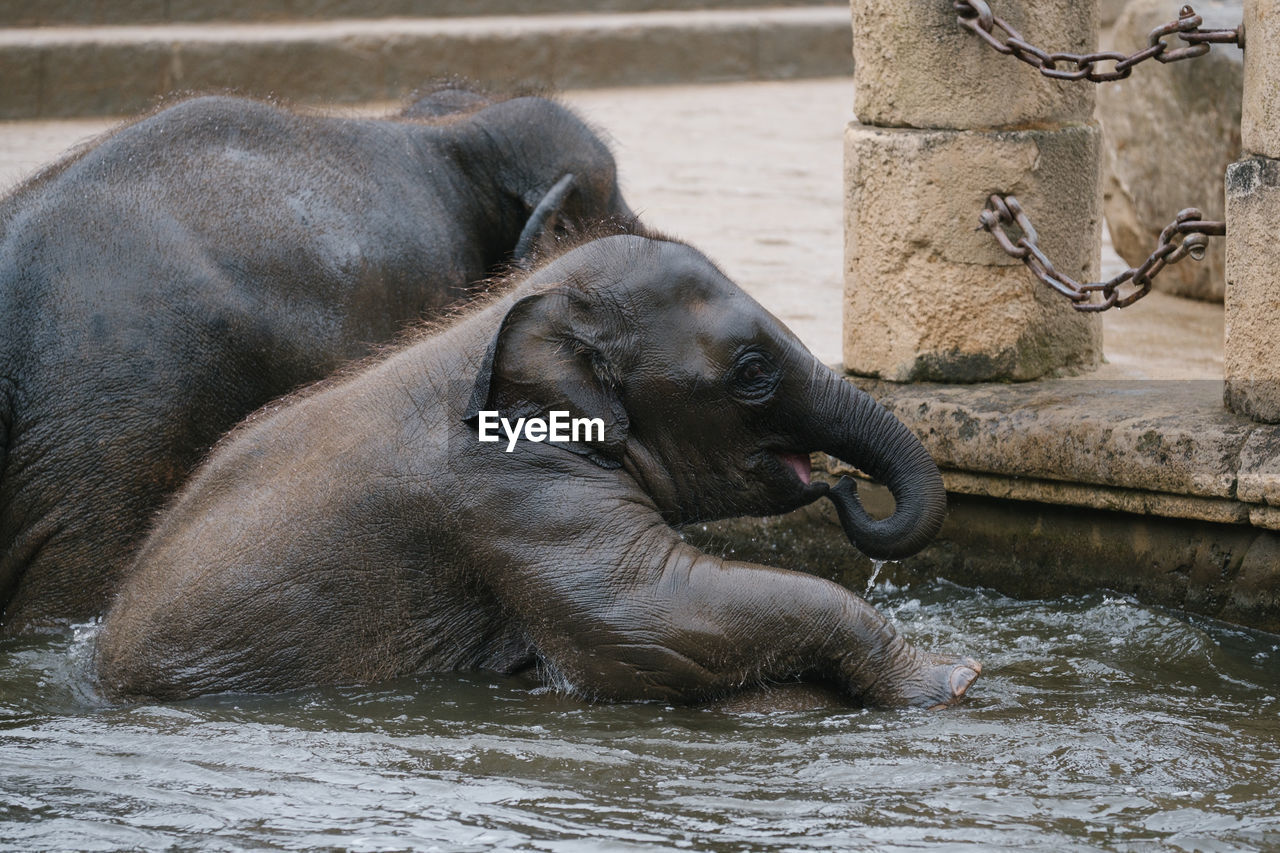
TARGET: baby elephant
(502,494)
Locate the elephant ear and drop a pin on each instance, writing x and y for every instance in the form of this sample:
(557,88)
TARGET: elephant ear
(547,356)
(545,211)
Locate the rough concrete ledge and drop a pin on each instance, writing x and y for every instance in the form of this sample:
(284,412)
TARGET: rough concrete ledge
(119,70)
(1164,447)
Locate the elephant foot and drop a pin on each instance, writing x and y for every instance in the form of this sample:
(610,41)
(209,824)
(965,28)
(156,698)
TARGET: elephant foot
(937,681)
(946,679)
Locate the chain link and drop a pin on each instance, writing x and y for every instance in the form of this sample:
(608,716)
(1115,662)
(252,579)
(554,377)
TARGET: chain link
(978,17)
(1188,234)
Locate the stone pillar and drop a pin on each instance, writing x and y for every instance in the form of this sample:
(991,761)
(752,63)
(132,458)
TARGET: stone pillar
(943,121)
(1252,355)
(1260,112)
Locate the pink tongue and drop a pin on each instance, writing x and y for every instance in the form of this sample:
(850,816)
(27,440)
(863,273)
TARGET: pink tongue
(798,462)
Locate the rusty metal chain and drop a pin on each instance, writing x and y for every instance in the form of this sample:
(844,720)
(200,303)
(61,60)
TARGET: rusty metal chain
(1188,234)
(977,16)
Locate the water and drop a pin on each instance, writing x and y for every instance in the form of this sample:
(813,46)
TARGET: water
(876,566)
(1098,724)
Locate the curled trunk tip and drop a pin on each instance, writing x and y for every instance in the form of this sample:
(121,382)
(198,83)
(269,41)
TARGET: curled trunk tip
(885,539)
(867,436)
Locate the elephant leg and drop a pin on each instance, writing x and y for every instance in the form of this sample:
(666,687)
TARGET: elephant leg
(666,621)
(861,650)
(886,670)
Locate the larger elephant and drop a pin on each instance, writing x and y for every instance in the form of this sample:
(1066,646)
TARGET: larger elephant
(176,275)
(366,529)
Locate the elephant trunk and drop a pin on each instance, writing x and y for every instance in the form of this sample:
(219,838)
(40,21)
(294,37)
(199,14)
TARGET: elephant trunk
(858,430)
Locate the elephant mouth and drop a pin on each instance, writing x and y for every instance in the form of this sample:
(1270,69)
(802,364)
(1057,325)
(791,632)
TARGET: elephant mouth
(785,481)
(798,473)
(799,465)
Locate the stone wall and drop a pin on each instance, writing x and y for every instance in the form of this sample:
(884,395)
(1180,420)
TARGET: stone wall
(1252,343)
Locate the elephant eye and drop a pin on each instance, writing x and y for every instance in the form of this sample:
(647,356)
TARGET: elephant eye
(753,377)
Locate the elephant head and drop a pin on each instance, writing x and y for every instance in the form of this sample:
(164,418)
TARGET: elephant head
(707,401)
(556,171)
(551,170)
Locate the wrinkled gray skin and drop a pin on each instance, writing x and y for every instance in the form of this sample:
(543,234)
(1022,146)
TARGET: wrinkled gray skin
(362,531)
(190,267)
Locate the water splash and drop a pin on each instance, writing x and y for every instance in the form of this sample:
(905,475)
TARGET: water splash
(876,566)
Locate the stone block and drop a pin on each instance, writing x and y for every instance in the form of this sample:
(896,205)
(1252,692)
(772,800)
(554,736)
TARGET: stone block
(1258,480)
(1260,121)
(22,70)
(1251,358)
(928,297)
(914,66)
(1169,134)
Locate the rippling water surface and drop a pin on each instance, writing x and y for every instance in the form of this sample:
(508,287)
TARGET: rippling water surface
(1099,723)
